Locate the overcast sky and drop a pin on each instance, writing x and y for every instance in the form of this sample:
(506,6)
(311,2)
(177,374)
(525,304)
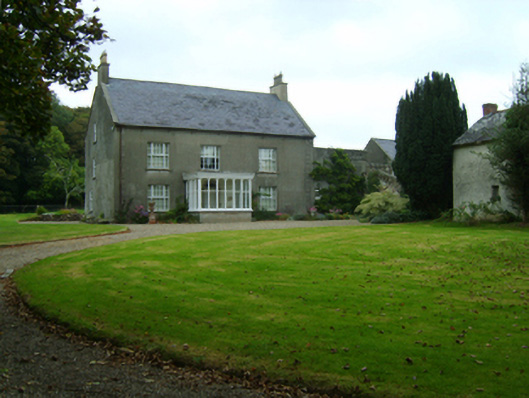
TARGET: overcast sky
(347,62)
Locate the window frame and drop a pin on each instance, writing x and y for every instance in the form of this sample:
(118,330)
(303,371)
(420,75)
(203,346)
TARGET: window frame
(268,160)
(161,199)
(210,162)
(157,160)
(93,169)
(95,133)
(270,196)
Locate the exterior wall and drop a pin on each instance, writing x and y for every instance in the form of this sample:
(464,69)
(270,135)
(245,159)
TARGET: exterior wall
(375,155)
(474,177)
(358,157)
(238,154)
(105,150)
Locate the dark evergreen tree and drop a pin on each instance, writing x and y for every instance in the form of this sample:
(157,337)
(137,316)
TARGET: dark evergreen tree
(344,188)
(428,121)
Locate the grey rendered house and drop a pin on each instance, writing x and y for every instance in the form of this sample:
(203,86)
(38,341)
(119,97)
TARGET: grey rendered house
(474,179)
(162,142)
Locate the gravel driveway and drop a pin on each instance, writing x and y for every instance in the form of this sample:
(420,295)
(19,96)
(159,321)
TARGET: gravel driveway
(38,359)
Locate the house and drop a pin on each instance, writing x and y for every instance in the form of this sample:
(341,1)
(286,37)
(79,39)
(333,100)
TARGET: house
(225,151)
(474,179)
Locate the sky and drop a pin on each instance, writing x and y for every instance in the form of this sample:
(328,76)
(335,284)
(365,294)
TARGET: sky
(347,62)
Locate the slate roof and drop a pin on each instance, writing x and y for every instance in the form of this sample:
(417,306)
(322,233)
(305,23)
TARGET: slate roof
(388,146)
(483,130)
(167,105)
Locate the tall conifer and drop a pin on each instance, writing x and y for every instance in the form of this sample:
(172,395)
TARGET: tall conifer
(428,121)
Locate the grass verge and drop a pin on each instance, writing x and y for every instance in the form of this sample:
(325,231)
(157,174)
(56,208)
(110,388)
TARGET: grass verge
(419,310)
(13,233)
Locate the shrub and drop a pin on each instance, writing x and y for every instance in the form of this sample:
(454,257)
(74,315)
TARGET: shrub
(263,215)
(378,203)
(140,215)
(180,214)
(471,213)
(41,210)
(122,214)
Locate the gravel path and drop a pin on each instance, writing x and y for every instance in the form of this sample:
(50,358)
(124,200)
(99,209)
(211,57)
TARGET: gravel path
(38,359)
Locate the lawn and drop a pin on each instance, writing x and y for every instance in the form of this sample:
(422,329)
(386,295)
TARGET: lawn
(12,232)
(422,310)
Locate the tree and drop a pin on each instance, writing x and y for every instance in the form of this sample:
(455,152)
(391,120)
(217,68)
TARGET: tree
(428,121)
(509,150)
(43,41)
(345,187)
(63,171)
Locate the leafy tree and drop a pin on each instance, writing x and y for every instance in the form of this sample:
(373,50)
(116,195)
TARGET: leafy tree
(509,150)
(43,41)
(63,171)
(344,187)
(428,121)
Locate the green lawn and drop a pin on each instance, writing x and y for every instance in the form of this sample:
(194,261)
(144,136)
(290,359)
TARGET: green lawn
(420,310)
(12,232)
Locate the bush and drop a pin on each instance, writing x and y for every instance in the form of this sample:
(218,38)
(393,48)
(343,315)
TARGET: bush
(263,215)
(122,214)
(378,203)
(392,217)
(140,215)
(180,214)
(471,213)
(41,210)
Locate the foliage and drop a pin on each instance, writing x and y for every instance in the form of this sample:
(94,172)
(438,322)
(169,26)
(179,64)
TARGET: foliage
(63,171)
(377,203)
(41,210)
(13,232)
(403,309)
(263,215)
(27,159)
(122,213)
(180,214)
(509,150)
(140,215)
(344,187)
(42,42)
(470,213)
(373,183)
(428,121)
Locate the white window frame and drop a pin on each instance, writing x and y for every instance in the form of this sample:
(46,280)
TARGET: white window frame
(158,155)
(206,191)
(267,160)
(210,157)
(268,198)
(159,194)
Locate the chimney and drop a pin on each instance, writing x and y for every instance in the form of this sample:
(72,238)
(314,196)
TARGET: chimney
(279,88)
(103,69)
(489,108)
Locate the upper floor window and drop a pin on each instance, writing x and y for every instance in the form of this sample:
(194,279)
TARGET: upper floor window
(210,157)
(157,155)
(95,132)
(267,160)
(93,168)
(268,198)
(159,194)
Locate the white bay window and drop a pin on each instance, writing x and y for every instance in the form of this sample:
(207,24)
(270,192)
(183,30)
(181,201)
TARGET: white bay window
(219,191)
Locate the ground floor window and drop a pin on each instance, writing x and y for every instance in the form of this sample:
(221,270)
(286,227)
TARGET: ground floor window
(268,198)
(219,192)
(159,194)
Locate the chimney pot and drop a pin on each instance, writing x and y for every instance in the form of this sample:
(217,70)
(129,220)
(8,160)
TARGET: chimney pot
(489,108)
(279,88)
(103,69)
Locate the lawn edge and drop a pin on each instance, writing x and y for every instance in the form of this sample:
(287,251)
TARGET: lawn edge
(37,242)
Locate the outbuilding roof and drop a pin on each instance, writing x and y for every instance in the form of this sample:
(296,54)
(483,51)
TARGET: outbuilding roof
(483,130)
(167,105)
(388,146)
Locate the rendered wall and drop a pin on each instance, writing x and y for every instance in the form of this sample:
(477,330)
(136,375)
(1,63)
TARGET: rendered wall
(238,154)
(474,177)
